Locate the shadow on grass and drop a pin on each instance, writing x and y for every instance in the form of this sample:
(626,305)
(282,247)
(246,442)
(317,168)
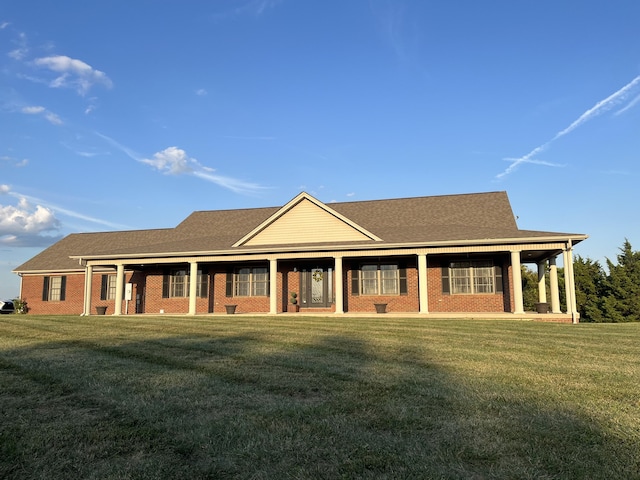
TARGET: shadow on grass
(260,405)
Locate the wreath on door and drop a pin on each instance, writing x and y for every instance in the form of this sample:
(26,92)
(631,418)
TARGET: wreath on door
(317,276)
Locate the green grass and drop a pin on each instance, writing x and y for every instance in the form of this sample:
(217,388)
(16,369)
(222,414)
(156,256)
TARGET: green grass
(319,398)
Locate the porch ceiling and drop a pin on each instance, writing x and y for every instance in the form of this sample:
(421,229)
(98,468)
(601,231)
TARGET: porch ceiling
(536,256)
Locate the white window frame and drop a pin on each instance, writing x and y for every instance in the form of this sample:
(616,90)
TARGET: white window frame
(55,289)
(179,284)
(111,286)
(380,279)
(251,282)
(201,286)
(472,277)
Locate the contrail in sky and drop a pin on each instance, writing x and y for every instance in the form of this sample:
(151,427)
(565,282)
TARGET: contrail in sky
(600,107)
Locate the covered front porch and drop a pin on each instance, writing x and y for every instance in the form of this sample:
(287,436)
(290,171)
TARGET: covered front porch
(322,282)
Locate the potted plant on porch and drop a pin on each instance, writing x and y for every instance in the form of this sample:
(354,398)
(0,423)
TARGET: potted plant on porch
(293,303)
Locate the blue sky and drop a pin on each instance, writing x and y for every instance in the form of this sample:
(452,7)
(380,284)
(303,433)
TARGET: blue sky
(132,114)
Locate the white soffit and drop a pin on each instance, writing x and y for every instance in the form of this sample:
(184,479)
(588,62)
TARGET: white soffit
(305,220)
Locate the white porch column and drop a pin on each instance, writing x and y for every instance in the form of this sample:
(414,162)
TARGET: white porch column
(117,309)
(193,287)
(273,286)
(569,283)
(542,284)
(339,285)
(422,284)
(88,283)
(553,284)
(517,282)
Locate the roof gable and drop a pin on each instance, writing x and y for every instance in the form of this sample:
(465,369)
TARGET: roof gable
(306,220)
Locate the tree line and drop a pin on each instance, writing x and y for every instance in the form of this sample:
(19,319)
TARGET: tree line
(602,295)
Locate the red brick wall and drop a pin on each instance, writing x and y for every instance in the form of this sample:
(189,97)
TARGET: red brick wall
(442,302)
(74,295)
(148,285)
(289,281)
(395,303)
(244,304)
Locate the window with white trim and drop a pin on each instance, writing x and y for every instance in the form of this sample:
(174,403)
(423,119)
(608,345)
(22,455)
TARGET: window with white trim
(109,287)
(472,277)
(379,279)
(179,284)
(53,289)
(251,282)
(176,284)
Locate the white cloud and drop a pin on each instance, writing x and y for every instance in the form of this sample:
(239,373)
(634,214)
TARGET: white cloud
(175,161)
(73,73)
(631,104)
(249,7)
(39,110)
(201,92)
(4,25)
(24,218)
(602,106)
(22,50)
(33,110)
(53,118)
(16,163)
(233,184)
(28,200)
(172,160)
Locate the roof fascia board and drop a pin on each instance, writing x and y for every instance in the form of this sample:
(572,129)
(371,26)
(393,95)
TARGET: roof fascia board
(331,253)
(168,256)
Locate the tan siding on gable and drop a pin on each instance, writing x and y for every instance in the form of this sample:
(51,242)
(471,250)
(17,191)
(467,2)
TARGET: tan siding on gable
(306,223)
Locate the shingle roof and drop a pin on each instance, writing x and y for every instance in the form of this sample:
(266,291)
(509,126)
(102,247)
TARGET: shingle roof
(447,218)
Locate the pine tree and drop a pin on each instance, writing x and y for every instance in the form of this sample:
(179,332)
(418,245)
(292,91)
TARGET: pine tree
(621,302)
(589,279)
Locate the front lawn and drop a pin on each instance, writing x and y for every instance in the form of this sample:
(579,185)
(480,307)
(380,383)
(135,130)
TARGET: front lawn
(317,398)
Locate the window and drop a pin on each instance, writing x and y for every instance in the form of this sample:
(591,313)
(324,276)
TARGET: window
(250,282)
(379,279)
(108,288)
(472,277)
(202,289)
(176,284)
(179,284)
(53,289)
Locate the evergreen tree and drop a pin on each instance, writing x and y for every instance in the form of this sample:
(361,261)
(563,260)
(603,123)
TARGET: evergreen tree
(529,288)
(589,279)
(621,302)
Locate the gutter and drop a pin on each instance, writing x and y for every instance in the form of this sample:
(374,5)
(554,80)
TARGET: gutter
(332,248)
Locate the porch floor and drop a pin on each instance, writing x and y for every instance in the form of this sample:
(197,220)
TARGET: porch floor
(526,316)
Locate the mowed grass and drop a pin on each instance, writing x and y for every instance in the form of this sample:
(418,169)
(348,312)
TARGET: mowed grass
(298,397)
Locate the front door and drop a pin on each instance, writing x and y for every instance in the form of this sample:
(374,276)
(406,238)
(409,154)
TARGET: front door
(317,287)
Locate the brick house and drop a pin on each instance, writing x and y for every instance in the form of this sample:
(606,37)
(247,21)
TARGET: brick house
(451,255)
